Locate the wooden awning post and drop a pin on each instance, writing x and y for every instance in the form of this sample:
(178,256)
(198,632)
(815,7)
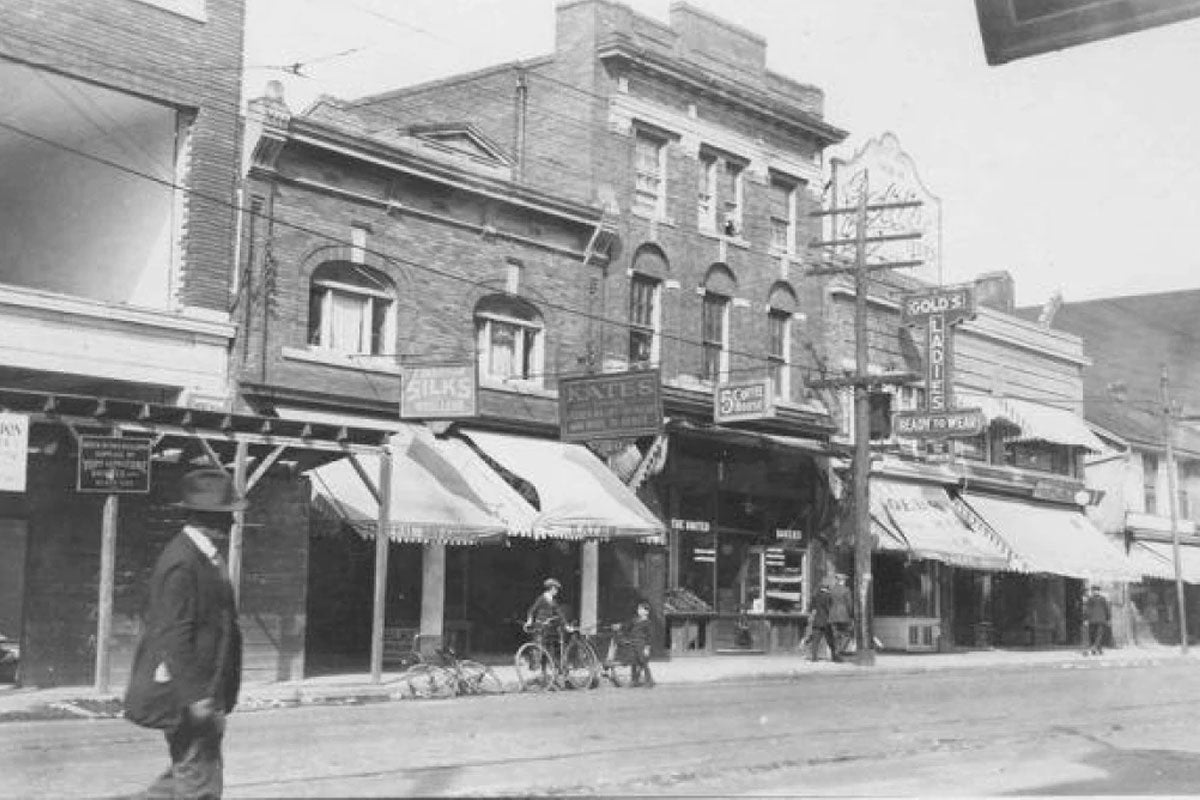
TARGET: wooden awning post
(239,520)
(381,562)
(104,612)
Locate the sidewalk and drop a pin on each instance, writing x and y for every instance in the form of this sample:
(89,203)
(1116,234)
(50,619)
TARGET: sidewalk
(75,702)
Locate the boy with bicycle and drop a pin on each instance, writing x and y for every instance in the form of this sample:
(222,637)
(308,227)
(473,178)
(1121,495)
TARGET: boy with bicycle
(545,619)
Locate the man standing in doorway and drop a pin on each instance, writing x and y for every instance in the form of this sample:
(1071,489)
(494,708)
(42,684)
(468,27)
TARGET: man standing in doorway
(187,668)
(1099,617)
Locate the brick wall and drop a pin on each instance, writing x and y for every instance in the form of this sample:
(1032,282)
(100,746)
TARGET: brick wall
(193,65)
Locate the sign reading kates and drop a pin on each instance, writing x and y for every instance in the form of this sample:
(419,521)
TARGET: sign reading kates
(742,401)
(14,451)
(613,406)
(442,392)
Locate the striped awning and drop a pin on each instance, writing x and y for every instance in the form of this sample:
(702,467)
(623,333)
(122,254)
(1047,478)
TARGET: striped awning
(918,518)
(579,496)
(1038,422)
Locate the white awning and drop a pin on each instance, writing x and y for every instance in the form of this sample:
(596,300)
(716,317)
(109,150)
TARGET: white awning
(1189,560)
(1052,540)
(1038,422)
(1150,563)
(918,518)
(580,497)
(431,499)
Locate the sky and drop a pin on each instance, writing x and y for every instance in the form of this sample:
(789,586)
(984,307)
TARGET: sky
(1076,171)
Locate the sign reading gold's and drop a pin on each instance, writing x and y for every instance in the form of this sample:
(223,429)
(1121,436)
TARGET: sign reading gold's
(733,402)
(613,406)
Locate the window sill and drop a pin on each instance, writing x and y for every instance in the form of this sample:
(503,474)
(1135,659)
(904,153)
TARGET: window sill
(650,216)
(736,241)
(517,387)
(357,362)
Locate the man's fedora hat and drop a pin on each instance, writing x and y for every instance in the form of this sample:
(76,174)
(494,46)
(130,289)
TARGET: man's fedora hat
(209,490)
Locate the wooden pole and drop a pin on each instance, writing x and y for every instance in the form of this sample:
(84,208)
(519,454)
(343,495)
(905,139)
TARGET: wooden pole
(862,441)
(1169,436)
(382,540)
(239,521)
(104,615)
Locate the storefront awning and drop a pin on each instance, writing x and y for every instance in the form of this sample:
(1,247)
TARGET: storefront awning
(919,519)
(1150,563)
(1163,552)
(431,499)
(1038,422)
(1052,540)
(580,497)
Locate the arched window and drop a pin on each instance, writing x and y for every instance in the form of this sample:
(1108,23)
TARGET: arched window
(511,340)
(351,309)
(781,303)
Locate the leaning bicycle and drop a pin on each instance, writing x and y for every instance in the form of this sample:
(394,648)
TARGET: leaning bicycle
(558,657)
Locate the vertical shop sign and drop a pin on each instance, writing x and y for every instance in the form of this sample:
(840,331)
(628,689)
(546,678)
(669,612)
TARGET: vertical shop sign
(940,311)
(14,451)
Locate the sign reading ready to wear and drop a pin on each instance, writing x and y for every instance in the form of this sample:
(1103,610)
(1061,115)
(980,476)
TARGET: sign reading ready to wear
(14,451)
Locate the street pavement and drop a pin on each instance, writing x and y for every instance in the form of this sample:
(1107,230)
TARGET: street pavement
(20,704)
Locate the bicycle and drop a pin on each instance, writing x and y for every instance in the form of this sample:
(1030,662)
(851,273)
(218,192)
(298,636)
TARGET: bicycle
(469,677)
(576,666)
(616,667)
(442,674)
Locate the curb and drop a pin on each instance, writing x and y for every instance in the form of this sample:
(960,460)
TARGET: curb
(110,706)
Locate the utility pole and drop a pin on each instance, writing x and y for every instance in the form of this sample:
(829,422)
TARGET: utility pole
(861,381)
(1169,436)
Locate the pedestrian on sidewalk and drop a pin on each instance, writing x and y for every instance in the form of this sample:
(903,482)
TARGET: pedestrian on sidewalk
(841,614)
(1099,618)
(187,667)
(821,625)
(635,642)
(545,619)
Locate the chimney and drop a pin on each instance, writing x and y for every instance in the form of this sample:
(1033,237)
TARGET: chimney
(996,290)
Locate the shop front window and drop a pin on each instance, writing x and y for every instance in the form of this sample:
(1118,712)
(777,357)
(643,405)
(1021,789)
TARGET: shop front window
(904,588)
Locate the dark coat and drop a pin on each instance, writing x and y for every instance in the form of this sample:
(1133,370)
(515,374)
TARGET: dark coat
(192,630)
(1096,608)
(840,604)
(821,606)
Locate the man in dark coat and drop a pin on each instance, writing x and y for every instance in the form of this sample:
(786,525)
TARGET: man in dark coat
(820,625)
(187,668)
(841,614)
(1098,617)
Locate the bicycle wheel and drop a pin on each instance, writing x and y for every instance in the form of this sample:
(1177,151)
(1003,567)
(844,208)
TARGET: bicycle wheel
(427,681)
(535,668)
(580,667)
(476,678)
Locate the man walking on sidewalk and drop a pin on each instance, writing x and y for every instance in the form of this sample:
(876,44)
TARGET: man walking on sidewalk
(1099,617)
(821,626)
(187,668)
(841,616)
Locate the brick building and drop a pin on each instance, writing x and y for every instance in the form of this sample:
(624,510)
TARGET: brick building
(120,148)
(706,163)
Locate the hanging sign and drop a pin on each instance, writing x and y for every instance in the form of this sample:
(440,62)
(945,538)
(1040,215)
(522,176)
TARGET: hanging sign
(113,465)
(14,451)
(940,310)
(441,392)
(610,406)
(735,402)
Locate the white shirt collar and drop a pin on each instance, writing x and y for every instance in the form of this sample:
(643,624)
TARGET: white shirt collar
(201,540)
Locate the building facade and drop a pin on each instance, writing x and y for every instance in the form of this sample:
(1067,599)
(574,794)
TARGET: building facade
(1125,395)
(706,164)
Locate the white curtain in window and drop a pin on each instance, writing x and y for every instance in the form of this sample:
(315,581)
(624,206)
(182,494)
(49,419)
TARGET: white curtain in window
(346,323)
(504,347)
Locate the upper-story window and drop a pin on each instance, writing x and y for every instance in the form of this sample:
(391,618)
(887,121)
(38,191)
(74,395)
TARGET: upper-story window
(779,347)
(650,165)
(714,337)
(644,320)
(733,187)
(1150,481)
(706,194)
(510,338)
(1040,456)
(782,207)
(351,310)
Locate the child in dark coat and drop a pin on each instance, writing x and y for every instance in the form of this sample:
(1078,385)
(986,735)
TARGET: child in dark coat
(635,645)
